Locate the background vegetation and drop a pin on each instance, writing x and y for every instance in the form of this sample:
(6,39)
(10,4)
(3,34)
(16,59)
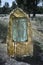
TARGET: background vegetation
(30,6)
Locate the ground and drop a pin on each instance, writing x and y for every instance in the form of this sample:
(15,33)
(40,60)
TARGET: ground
(37,38)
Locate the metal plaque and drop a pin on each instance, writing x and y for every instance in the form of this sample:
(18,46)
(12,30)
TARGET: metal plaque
(19,30)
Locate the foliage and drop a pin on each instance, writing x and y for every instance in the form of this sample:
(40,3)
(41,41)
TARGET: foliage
(6,9)
(0,2)
(29,6)
(6,5)
(13,5)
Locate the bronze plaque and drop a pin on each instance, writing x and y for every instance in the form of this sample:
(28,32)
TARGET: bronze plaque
(19,30)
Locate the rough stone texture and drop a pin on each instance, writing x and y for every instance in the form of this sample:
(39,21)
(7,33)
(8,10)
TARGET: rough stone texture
(3,47)
(20,48)
(14,62)
(6,60)
(37,30)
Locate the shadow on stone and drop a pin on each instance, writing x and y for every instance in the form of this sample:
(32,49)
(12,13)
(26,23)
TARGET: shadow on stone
(2,62)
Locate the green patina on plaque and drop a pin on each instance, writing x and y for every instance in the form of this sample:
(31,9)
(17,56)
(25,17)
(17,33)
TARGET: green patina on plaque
(19,30)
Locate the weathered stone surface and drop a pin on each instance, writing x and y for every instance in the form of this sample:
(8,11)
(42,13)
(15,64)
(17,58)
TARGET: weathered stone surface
(3,47)
(19,48)
(14,62)
(37,30)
